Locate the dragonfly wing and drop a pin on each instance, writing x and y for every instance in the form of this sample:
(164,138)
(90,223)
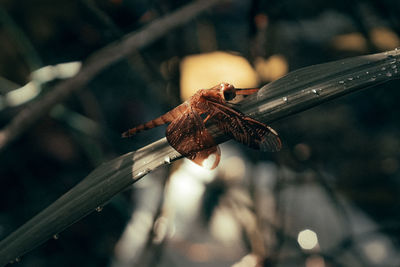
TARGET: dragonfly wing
(245,130)
(188,135)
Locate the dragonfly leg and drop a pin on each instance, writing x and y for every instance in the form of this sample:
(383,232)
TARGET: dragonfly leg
(206,119)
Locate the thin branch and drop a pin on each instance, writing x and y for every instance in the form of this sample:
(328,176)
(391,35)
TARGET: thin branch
(98,62)
(293,93)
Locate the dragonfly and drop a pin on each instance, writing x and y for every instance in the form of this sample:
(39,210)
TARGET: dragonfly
(187,132)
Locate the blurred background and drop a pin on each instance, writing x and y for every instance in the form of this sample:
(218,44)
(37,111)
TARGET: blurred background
(330,197)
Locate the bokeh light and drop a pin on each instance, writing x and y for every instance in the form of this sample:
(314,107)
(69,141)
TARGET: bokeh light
(307,239)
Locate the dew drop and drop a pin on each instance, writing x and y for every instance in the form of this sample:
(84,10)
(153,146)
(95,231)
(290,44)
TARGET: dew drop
(56,237)
(383,68)
(99,208)
(167,160)
(18,259)
(394,66)
(389,74)
(350,78)
(140,174)
(372,79)
(285,99)
(315,91)
(341,82)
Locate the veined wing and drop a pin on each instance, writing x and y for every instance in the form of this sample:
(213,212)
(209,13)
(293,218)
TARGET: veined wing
(188,135)
(244,129)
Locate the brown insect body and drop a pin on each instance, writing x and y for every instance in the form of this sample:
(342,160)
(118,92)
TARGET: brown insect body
(188,135)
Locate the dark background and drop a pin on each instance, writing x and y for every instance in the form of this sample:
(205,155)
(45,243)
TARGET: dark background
(347,150)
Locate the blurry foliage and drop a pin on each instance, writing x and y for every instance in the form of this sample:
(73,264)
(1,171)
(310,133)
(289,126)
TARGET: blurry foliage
(354,139)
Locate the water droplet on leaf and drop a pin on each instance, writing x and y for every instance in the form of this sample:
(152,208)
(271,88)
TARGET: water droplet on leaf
(167,160)
(315,91)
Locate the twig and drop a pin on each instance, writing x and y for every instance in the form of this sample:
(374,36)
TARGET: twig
(98,62)
(295,92)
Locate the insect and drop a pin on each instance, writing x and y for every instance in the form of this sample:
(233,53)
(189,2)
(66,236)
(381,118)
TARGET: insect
(187,133)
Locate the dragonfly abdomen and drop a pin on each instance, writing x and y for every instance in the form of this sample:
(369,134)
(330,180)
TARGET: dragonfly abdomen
(166,118)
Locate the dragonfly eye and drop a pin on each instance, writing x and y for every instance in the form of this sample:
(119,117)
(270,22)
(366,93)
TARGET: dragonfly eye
(228,92)
(229,95)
